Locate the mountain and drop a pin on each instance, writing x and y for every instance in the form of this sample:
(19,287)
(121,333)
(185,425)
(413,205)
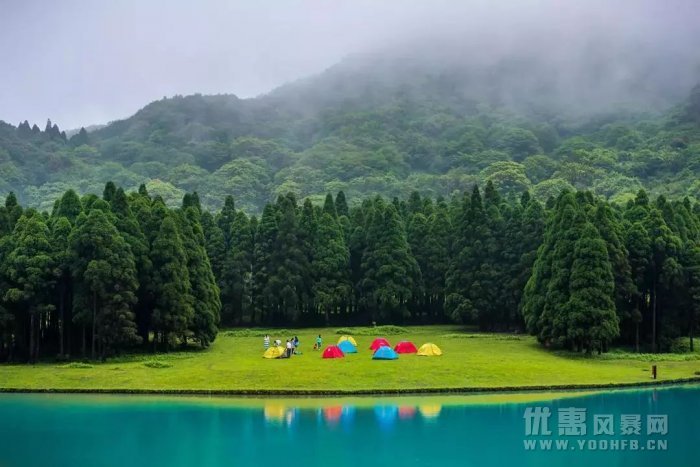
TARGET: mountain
(390,124)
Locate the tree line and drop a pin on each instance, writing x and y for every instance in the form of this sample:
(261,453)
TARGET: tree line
(98,276)
(101,275)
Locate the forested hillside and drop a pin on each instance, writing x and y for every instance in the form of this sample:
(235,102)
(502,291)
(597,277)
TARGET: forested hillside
(370,130)
(98,276)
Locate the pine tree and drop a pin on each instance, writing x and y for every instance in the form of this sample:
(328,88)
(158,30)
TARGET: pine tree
(390,271)
(265,240)
(61,254)
(13,211)
(306,233)
(29,271)
(330,266)
(289,265)
(69,206)
(128,226)
(109,192)
(236,280)
(528,238)
(665,268)
(418,232)
(225,219)
(329,206)
(415,204)
(546,290)
(341,205)
(173,312)
(205,293)
(437,248)
(105,271)
(80,138)
(610,229)
(592,321)
(457,305)
(638,246)
(692,310)
(216,246)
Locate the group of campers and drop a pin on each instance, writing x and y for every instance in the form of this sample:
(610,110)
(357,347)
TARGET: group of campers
(292,345)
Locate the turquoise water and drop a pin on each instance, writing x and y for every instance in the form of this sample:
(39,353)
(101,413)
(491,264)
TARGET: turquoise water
(58,430)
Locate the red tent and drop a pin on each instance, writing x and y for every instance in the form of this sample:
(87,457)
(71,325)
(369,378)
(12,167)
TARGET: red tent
(405,347)
(376,343)
(333,351)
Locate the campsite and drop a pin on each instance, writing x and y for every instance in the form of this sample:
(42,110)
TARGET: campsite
(234,364)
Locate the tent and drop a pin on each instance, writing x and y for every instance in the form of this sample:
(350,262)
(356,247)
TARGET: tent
(347,338)
(376,343)
(274,352)
(405,347)
(332,351)
(347,347)
(429,350)
(385,353)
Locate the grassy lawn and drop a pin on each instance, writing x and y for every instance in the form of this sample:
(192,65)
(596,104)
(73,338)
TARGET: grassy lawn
(472,360)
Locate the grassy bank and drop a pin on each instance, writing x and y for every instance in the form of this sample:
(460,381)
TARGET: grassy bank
(470,360)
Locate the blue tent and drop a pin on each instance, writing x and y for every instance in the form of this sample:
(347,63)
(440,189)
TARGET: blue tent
(347,347)
(385,353)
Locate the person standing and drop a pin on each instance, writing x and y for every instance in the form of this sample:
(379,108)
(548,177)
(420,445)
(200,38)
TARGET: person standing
(289,348)
(319,342)
(266,341)
(296,345)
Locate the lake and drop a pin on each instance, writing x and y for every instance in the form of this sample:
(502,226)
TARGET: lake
(480,430)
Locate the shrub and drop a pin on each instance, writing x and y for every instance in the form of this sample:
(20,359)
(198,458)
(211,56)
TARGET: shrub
(247,332)
(156,364)
(388,330)
(497,337)
(80,365)
(680,345)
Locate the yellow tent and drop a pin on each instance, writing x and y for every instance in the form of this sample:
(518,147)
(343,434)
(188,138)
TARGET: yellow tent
(274,352)
(429,350)
(347,338)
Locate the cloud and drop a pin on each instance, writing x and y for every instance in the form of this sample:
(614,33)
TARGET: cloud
(82,62)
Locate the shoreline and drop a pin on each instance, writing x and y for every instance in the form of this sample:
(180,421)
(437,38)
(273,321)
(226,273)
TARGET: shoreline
(355,392)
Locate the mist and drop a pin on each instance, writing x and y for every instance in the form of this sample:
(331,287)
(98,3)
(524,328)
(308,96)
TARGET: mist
(82,63)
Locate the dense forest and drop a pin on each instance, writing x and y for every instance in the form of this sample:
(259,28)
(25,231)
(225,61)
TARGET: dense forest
(369,132)
(99,276)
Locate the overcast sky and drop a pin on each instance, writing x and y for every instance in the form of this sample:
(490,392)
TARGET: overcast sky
(81,62)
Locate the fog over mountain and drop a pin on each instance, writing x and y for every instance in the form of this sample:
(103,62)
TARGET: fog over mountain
(83,63)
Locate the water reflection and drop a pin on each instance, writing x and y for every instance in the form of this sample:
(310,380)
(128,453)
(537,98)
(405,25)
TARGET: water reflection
(277,414)
(385,415)
(407,412)
(431,411)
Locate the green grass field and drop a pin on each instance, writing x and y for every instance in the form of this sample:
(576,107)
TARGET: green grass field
(470,360)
